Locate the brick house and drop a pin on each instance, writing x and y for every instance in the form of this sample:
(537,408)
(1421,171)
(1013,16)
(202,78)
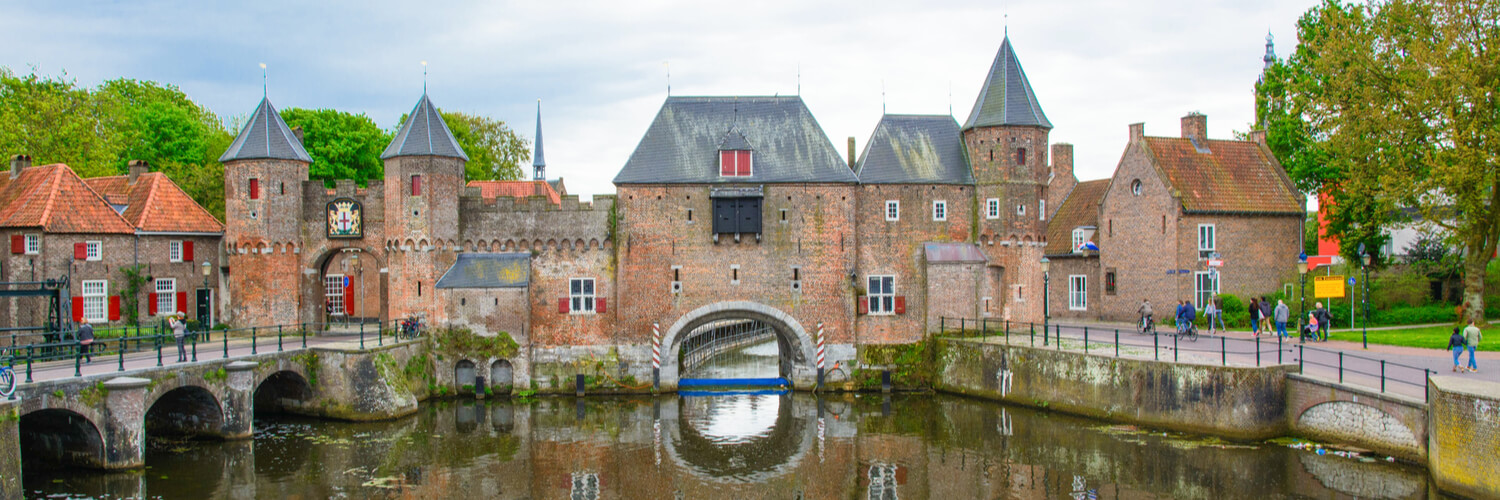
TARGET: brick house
(89,230)
(1174,202)
(1076,282)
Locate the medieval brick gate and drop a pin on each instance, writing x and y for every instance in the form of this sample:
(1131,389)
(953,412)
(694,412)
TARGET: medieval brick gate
(794,344)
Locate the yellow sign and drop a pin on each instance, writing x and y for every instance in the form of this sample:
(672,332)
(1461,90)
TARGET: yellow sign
(1328,287)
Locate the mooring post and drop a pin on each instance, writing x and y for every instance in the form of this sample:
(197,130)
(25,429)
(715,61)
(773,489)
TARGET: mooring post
(1033,334)
(1156,346)
(1341,367)
(655,356)
(1085,340)
(578,384)
(225,338)
(253,331)
(278,338)
(123,341)
(885,381)
(1175,347)
(195,347)
(1382,376)
(1117,342)
(1223,352)
(1257,351)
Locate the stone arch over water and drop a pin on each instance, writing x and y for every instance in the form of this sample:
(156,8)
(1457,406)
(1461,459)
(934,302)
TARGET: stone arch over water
(796,345)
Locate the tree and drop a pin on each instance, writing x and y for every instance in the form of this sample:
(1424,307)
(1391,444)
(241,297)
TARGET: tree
(343,145)
(495,151)
(160,124)
(55,121)
(1397,100)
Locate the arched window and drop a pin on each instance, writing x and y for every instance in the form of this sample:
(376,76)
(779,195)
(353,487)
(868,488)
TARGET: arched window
(1020,156)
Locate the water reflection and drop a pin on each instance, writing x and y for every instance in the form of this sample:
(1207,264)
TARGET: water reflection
(739,447)
(754,361)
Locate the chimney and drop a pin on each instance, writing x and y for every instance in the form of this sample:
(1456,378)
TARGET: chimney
(1258,137)
(851,153)
(138,167)
(297,131)
(1195,124)
(1137,132)
(19,163)
(1062,159)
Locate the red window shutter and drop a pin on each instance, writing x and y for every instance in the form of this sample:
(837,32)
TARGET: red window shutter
(77,309)
(114,308)
(599,305)
(80,251)
(151,304)
(182,302)
(562,305)
(864,305)
(742,163)
(187,251)
(900,304)
(726,163)
(416,185)
(254,188)
(17,243)
(348,297)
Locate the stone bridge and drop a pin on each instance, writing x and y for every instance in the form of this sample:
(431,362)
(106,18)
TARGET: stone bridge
(1326,410)
(102,420)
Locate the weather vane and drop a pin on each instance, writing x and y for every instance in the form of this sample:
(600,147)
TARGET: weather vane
(263,90)
(424,77)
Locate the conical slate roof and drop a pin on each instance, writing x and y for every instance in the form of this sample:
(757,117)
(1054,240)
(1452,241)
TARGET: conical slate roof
(266,136)
(424,133)
(1006,98)
(537,160)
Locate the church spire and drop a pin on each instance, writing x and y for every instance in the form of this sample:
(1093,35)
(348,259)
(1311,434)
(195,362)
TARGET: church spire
(1270,57)
(538,162)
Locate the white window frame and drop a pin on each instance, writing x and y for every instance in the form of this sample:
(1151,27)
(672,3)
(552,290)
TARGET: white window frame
(1078,292)
(166,295)
(93,250)
(174,251)
(892,210)
(1021,209)
(333,294)
(1208,237)
(992,208)
(95,295)
(939,210)
(33,244)
(881,294)
(1077,239)
(582,300)
(1041,209)
(1200,294)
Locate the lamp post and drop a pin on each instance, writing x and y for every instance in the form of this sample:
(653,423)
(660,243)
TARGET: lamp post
(209,308)
(1302,271)
(1364,297)
(1046,297)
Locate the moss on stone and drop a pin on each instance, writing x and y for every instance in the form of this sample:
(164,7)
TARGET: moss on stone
(309,362)
(93,395)
(462,342)
(218,375)
(910,364)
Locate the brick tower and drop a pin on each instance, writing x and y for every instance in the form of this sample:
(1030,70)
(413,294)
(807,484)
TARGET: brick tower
(424,176)
(264,169)
(1006,138)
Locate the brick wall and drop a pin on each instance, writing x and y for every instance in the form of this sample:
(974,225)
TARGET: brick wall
(1063,269)
(488,311)
(1139,237)
(992,156)
(1463,434)
(953,291)
(896,248)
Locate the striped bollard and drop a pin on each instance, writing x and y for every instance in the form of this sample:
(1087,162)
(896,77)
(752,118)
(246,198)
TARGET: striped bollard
(820,355)
(656,356)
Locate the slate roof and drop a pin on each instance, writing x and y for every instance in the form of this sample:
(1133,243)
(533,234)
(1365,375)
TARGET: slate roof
(265,137)
(1081,208)
(1006,97)
(519,189)
(54,199)
(1231,177)
(424,133)
(156,204)
(915,149)
(681,146)
(488,270)
(536,158)
(937,253)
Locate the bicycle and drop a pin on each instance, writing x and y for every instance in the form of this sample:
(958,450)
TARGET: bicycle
(7,375)
(1147,326)
(1190,333)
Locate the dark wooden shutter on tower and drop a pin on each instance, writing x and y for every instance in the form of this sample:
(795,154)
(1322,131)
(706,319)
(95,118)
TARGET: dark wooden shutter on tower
(724,217)
(182,302)
(748,213)
(599,305)
(254,188)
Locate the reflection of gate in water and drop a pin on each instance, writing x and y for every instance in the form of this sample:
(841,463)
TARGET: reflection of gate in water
(732,349)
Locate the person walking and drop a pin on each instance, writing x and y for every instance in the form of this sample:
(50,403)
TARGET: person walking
(1210,311)
(1219,310)
(1265,314)
(85,339)
(179,333)
(1471,341)
(1456,343)
(1325,321)
(1283,313)
(1254,317)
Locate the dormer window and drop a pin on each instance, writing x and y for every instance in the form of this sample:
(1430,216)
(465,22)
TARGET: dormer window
(735,163)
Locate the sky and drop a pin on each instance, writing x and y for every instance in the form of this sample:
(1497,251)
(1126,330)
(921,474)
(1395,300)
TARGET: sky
(600,69)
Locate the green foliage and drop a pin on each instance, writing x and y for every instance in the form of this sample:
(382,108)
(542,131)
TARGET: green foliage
(462,341)
(1236,311)
(309,362)
(910,364)
(343,145)
(495,151)
(418,371)
(218,375)
(1400,288)
(93,395)
(56,121)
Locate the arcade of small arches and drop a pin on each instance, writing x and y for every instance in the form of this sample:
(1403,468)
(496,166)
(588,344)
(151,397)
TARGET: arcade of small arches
(496,245)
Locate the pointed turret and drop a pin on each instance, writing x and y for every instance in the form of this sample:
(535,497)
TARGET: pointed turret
(266,137)
(1270,57)
(538,162)
(1006,97)
(424,133)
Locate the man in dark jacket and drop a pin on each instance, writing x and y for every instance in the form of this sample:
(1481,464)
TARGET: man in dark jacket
(1265,314)
(1325,320)
(85,339)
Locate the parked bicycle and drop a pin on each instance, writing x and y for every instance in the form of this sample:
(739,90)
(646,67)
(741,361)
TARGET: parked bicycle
(7,375)
(409,327)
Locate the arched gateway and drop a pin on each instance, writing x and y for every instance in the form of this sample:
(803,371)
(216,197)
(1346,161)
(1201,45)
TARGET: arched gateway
(795,343)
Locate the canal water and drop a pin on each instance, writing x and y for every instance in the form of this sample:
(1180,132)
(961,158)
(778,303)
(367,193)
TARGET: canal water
(736,446)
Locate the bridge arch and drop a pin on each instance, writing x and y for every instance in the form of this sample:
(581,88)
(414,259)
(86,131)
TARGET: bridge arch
(283,391)
(187,411)
(1352,422)
(796,344)
(781,436)
(60,437)
(368,285)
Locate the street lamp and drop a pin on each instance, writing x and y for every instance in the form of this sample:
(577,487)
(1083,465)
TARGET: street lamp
(1046,297)
(1302,270)
(209,307)
(1364,259)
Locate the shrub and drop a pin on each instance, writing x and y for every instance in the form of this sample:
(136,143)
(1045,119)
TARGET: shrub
(1399,289)
(1236,312)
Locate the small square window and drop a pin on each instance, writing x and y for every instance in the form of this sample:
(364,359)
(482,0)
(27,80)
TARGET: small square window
(992,208)
(882,294)
(93,250)
(174,251)
(735,163)
(892,210)
(33,244)
(1020,209)
(940,210)
(95,300)
(581,294)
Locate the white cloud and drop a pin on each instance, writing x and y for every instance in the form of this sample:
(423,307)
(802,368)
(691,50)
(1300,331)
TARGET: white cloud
(1096,65)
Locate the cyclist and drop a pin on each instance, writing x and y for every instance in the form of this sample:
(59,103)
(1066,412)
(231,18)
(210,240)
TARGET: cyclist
(1145,311)
(1186,318)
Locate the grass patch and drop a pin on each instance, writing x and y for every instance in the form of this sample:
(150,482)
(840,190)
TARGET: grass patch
(1432,337)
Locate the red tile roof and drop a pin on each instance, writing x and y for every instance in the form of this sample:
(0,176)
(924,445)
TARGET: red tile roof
(54,199)
(155,204)
(1081,208)
(518,189)
(1232,176)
